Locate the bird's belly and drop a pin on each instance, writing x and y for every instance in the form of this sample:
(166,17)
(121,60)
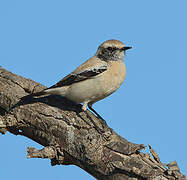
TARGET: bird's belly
(89,91)
(92,90)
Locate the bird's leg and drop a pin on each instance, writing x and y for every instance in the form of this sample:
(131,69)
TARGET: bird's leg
(84,108)
(103,121)
(90,107)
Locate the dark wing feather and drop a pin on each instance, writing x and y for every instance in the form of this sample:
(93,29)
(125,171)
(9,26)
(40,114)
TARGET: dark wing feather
(74,78)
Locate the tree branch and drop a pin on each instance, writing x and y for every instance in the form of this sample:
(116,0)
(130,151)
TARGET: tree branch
(70,136)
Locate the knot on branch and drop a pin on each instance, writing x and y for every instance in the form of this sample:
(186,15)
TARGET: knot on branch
(49,152)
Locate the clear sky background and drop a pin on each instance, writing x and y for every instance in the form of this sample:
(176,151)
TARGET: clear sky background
(45,40)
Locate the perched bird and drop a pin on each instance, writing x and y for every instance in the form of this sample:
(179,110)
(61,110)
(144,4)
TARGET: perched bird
(95,79)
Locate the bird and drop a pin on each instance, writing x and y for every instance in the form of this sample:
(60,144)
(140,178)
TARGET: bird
(95,79)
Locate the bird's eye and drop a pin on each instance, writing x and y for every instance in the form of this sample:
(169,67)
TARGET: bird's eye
(110,49)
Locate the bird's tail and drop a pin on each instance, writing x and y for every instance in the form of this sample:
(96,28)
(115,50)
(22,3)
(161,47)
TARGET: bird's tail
(45,92)
(58,91)
(39,93)
(30,96)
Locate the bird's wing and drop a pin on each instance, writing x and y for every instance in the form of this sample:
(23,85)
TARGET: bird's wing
(87,70)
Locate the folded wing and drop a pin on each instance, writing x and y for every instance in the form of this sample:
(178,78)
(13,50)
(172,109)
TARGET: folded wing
(80,76)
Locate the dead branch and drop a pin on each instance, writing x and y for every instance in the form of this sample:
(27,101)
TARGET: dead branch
(70,136)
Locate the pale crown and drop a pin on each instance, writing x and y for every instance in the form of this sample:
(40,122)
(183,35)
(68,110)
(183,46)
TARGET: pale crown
(112,50)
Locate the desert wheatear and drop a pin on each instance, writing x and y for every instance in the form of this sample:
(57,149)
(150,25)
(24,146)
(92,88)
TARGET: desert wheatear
(95,79)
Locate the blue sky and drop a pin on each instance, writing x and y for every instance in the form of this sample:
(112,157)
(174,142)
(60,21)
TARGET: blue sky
(45,40)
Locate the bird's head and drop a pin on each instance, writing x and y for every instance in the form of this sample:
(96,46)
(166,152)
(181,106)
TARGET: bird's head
(112,50)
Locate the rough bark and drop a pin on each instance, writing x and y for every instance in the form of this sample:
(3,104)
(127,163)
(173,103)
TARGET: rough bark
(70,136)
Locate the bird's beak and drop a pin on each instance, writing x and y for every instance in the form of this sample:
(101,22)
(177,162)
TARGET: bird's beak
(126,48)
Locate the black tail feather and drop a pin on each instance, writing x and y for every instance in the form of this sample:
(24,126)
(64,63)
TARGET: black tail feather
(30,96)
